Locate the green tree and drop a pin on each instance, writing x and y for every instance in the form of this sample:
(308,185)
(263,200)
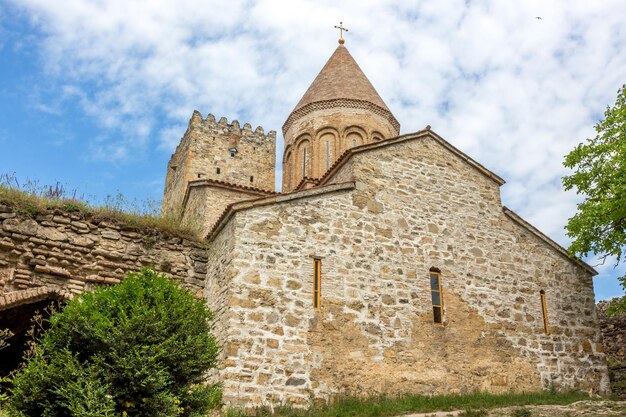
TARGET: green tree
(599,166)
(138,349)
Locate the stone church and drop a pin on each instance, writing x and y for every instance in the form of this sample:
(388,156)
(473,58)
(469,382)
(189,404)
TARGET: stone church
(387,264)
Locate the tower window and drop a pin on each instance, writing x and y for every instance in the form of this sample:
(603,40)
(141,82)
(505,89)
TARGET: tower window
(217,170)
(437,296)
(327,155)
(544,310)
(232,154)
(317,282)
(251,178)
(353,143)
(304,162)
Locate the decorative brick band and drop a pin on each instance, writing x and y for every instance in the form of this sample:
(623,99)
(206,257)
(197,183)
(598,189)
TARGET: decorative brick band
(340,102)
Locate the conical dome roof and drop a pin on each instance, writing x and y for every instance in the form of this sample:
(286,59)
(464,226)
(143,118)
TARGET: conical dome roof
(341,83)
(341,77)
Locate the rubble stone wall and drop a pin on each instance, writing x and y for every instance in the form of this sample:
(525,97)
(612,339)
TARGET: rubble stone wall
(414,206)
(613,333)
(205,204)
(69,253)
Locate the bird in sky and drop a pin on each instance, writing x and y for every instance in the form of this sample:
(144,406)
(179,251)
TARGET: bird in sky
(538,18)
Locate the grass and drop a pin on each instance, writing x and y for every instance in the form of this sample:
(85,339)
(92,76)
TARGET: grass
(383,406)
(30,200)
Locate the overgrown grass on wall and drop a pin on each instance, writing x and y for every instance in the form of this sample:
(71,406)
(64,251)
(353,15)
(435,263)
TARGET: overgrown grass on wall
(31,199)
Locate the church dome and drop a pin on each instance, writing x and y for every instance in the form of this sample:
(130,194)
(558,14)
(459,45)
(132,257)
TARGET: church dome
(340,109)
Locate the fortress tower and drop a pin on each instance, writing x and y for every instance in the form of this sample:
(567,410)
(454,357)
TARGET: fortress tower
(340,110)
(216,164)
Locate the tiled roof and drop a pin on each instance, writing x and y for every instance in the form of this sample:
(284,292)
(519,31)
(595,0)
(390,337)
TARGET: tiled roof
(342,79)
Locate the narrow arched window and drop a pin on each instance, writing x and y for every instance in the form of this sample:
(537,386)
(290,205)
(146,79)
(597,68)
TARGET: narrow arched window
(304,163)
(327,155)
(544,310)
(437,296)
(317,282)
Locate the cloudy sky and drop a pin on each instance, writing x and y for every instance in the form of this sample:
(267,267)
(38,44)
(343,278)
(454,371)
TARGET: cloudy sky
(96,94)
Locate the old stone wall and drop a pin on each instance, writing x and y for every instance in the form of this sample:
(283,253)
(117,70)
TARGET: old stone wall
(68,252)
(414,206)
(223,152)
(613,333)
(614,338)
(207,200)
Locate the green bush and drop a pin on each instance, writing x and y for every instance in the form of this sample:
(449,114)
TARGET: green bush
(138,349)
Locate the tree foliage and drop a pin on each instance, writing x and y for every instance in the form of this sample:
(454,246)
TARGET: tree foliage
(599,166)
(138,349)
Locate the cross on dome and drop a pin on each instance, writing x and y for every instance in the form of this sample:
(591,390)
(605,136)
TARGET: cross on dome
(341,30)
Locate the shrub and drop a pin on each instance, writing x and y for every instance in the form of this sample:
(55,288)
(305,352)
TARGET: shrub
(139,348)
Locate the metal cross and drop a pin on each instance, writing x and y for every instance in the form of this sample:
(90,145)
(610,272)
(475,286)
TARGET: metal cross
(341,29)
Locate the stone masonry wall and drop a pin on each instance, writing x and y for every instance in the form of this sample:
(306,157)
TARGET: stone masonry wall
(613,333)
(414,206)
(206,202)
(69,253)
(204,153)
(614,338)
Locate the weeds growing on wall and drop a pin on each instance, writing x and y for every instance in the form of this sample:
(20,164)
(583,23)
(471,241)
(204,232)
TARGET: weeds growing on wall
(31,198)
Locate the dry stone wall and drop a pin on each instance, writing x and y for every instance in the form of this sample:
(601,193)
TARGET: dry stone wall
(613,333)
(614,337)
(414,206)
(67,252)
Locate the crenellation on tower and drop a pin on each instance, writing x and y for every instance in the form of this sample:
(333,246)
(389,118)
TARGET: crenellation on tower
(223,152)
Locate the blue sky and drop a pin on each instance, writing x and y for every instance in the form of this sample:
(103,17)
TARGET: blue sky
(96,94)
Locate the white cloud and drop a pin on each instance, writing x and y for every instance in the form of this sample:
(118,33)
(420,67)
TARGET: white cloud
(514,92)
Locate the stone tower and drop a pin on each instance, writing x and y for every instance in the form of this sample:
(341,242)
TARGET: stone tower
(340,110)
(216,164)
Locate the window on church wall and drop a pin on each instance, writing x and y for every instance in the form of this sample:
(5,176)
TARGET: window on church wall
(544,311)
(287,171)
(354,139)
(304,160)
(436,293)
(317,282)
(327,155)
